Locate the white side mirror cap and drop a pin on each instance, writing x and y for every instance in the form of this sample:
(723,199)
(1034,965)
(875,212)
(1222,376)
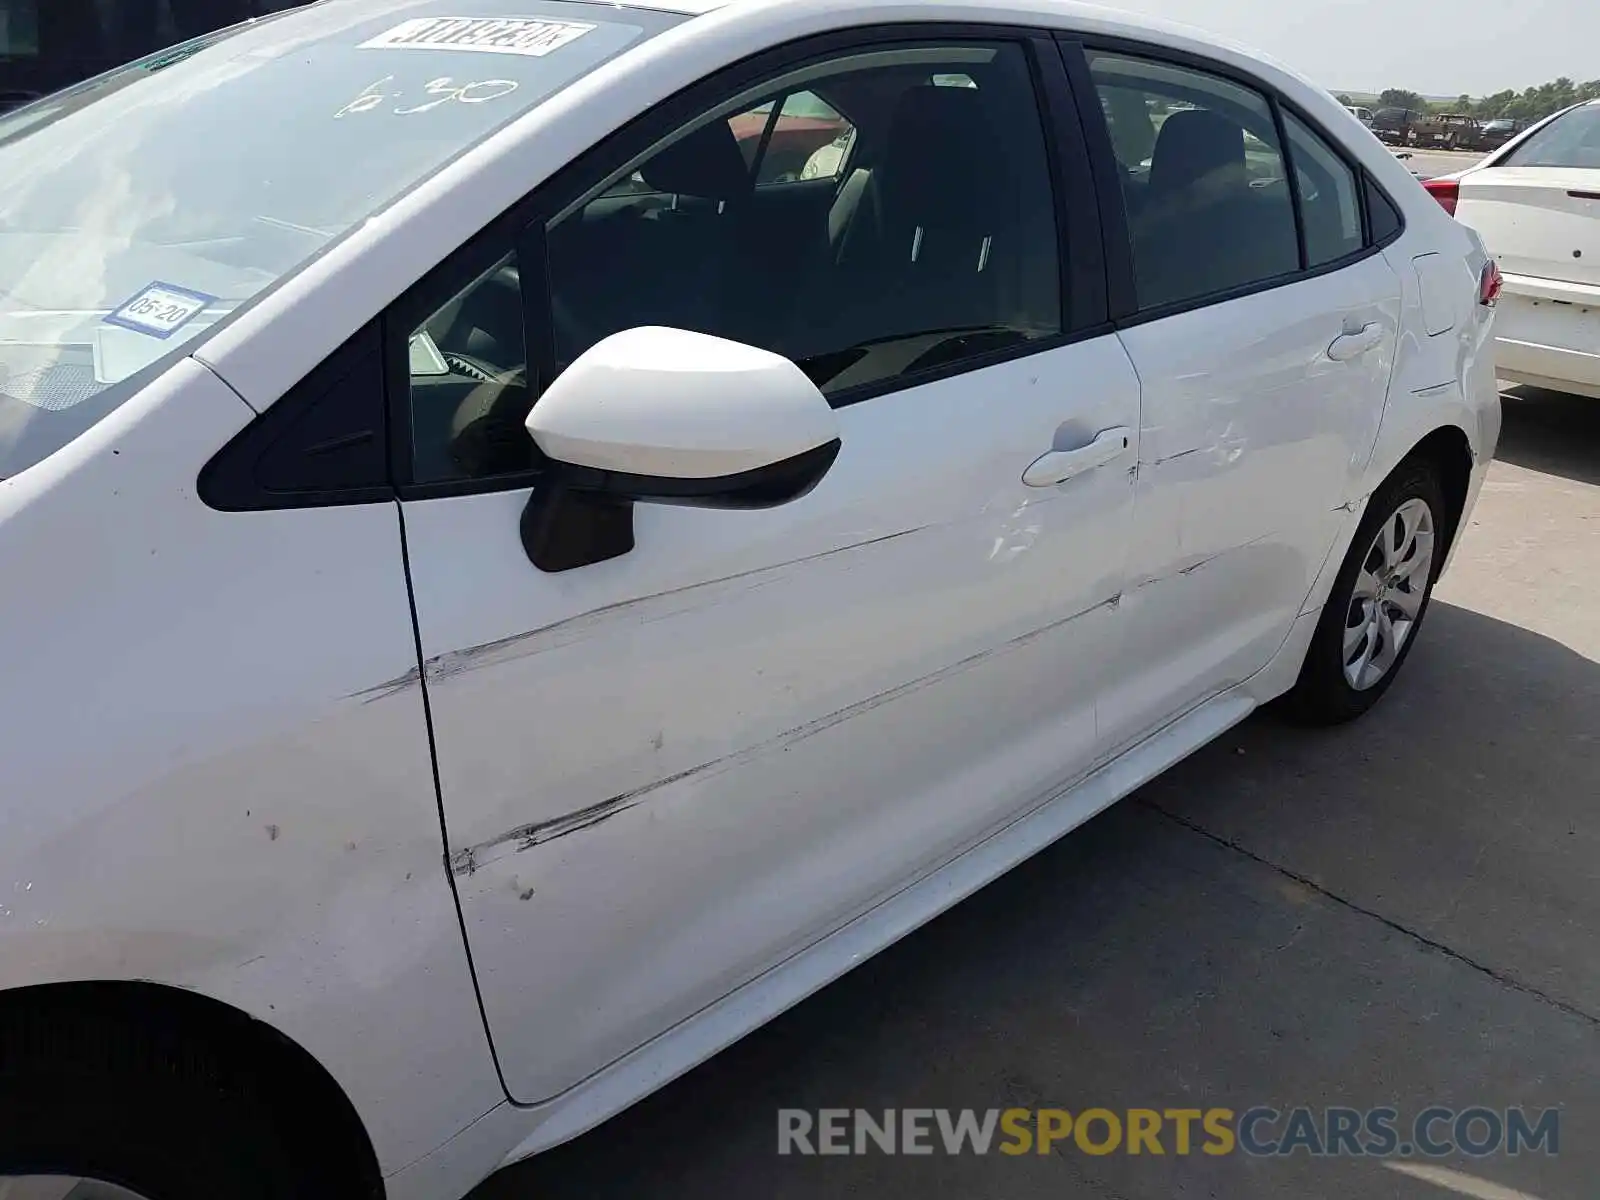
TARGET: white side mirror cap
(671,404)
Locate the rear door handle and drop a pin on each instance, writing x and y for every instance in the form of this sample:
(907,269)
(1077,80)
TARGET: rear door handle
(1058,466)
(1354,345)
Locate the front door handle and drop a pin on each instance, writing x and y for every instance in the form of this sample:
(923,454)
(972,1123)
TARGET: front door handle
(1354,345)
(1058,466)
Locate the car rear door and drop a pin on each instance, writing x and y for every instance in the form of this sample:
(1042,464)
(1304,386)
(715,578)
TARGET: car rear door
(1263,321)
(666,773)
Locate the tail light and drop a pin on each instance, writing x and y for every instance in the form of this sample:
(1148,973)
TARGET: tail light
(1445,191)
(1490,281)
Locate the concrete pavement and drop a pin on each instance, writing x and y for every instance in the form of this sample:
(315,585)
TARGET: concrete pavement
(1403,911)
(1428,164)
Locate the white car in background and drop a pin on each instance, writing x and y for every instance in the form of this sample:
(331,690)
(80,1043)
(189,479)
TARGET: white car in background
(500,596)
(1536,204)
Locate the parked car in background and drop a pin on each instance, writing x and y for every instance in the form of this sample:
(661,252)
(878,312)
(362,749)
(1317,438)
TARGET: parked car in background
(1364,115)
(46,45)
(1455,131)
(1536,204)
(1394,125)
(1498,132)
(500,595)
(788,137)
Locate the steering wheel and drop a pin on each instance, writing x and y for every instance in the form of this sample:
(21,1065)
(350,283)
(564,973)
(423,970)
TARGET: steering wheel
(477,368)
(487,436)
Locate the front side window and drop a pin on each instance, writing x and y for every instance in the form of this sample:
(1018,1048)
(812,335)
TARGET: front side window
(1330,206)
(1203,176)
(935,244)
(939,245)
(1571,140)
(140,208)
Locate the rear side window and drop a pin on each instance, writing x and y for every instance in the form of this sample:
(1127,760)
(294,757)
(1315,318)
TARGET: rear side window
(1203,174)
(1571,140)
(1330,205)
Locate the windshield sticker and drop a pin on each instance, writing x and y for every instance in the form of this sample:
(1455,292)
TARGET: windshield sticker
(527,36)
(160,310)
(444,88)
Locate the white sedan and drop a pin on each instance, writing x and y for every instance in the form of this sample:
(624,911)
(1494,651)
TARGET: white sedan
(501,593)
(1536,203)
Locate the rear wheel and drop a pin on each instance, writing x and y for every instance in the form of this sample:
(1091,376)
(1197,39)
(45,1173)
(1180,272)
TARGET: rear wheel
(1375,610)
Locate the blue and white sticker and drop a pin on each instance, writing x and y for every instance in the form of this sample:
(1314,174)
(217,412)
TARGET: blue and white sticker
(160,310)
(528,36)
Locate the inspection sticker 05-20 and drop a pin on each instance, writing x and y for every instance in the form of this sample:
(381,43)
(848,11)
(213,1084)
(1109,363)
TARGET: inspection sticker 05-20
(159,310)
(533,37)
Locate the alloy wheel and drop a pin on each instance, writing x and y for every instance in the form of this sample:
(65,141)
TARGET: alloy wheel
(1389,592)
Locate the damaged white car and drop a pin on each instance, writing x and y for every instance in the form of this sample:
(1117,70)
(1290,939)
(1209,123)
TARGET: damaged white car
(505,587)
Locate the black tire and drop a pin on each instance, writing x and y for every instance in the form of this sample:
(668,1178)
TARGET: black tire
(1322,695)
(154,1110)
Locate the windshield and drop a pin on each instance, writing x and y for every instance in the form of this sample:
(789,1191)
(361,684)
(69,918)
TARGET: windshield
(1571,140)
(141,207)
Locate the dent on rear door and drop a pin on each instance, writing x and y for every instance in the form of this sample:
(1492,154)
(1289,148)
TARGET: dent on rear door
(1253,442)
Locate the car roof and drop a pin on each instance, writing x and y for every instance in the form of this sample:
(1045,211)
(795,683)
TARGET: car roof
(1073,12)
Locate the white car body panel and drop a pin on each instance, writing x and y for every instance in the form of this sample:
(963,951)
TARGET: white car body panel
(1230,416)
(258,823)
(238,820)
(747,705)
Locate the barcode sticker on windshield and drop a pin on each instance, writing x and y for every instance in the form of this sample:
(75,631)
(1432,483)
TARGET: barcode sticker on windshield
(491,35)
(160,310)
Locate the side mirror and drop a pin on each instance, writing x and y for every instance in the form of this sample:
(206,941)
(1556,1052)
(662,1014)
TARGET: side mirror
(670,417)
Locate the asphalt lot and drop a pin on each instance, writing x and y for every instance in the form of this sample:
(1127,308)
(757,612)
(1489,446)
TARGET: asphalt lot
(1429,164)
(1404,911)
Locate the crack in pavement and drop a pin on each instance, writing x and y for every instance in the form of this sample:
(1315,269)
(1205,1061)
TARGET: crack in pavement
(1501,977)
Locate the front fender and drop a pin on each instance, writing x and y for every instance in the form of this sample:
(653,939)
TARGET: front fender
(205,785)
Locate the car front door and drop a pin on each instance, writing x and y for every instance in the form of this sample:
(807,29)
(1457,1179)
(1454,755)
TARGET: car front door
(1263,326)
(665,773)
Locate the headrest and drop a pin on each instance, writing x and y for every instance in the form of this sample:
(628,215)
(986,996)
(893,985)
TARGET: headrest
(705,163)
(944,158)
(1192,144)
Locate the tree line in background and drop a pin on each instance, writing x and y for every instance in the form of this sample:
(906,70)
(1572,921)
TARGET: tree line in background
(1528,105)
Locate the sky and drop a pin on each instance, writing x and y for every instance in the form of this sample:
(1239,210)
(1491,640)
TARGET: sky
(1436,47)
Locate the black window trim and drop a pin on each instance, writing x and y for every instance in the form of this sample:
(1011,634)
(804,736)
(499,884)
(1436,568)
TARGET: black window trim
(1121,281)
(521,227)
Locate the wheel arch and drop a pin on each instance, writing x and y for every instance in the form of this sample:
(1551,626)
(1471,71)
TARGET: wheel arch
(1450,453)
(1447,447)
(31,1015)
